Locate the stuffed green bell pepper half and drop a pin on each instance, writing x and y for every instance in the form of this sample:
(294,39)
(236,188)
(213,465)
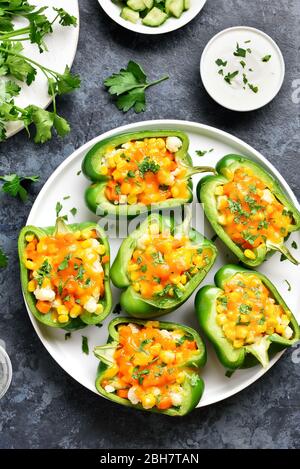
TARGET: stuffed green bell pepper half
(245,318)
(159,266)
(153,366)
(65,274)
(133,173)
(248,209)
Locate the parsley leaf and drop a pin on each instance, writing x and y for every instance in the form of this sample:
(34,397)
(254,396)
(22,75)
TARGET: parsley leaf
(221,63)
(129,86)
(230,76)
(240,52)
(148,165)
(85,345)
(266,58)
(13,185)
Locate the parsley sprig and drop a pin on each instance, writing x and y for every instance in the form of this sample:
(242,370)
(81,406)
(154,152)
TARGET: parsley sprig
(14,185)
(129,86)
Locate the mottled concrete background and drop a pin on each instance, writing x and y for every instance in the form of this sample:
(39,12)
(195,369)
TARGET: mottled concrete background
(44,406)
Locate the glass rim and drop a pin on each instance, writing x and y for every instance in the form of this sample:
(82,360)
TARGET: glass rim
(5,360)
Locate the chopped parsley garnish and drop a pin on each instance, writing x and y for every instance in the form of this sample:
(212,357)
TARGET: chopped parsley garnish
(85,345)
(80,273)
(243,63)
(58,208)
(144,268)
(289,285)
(202,153)
(65,263)
(221,72)
(239,52)
(245,309)
(73,211)
(230,76)
(221,63)
(294,245)
(253,88)
(148,165)
(131,174)
(249,237)
(143,344)
(43,271)
(266,58)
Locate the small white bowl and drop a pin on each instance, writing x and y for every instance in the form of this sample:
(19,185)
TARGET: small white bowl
(268,76)
(113,11)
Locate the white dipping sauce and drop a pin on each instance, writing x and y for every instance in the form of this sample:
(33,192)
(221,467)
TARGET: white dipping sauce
(267,76)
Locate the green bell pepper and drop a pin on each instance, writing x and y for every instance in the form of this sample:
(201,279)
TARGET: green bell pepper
(95,195)
(206,195)
(249,355)
(193,385)
(86,318)
(131,301)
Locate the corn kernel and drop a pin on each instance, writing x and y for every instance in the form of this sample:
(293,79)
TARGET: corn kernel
(77,234)
(183,279)
(46,283)
(99,309)
(111,372)
(221,319)
(241,332)
(171,292)
(280,329)
(133,267)
(180,378)
(132,199)
(136,287)
(219,309)
(155,349)
(175,278)
(219,190)
(103,170)
(62,310)
(148,401)
(167,356)
(86,234)
(30,265)
(194,271)
(175,192)
(75,311)
(250,254)
(31,286)
(62,318)
(101,249)
(222,220)
(29,238)
(134,276)
(238,343)
(86,244)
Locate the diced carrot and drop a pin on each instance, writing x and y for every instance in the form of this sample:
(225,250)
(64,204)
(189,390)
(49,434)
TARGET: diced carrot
(122,393)
(105,259)
(43,306)
(165,403)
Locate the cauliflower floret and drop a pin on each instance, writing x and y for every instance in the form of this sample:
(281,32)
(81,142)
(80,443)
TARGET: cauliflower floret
(44,294)
(97,267)
(176,398)
(173,144)
(133,328)
(288,332)
(132,396)
(91,305)
(123,199)
(268,196)
(109,388)
(166,334)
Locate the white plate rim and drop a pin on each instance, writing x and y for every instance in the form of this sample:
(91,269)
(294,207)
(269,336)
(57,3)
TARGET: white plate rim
(141,29)
(135,126)
(237,28)
(21,126)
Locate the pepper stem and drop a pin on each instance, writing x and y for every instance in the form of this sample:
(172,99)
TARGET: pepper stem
(200,169)
(61,227)
(105,353)
(284,250)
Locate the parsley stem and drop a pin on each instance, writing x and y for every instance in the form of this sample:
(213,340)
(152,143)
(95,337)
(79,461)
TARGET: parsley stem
(156,82)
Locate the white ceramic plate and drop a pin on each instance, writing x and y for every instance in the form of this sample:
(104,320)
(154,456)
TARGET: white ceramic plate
(62,45)
(268,76)
(113,11)
(65,182)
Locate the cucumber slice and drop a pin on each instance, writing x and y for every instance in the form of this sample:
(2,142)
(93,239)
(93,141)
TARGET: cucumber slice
(136,5)
(148,3)
(187,4)
(175,7)
(155,17)
(130,15)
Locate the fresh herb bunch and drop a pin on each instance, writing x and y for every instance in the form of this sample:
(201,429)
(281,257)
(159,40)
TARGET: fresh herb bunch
(14,64)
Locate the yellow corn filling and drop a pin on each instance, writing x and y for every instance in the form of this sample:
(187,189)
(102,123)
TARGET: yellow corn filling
(250,213)
(246,311)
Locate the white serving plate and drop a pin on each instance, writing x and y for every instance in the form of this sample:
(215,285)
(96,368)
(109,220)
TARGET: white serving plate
(62,46)
(113,11)
(65,182)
